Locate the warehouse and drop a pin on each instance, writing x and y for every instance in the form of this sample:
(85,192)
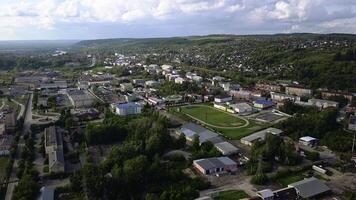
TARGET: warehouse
(215,165)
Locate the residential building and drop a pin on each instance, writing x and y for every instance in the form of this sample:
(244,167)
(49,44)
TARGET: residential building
(128,109)
(308,141)
(241,94)
(279,97)
(322,104)
(327,95)
(263,104)
(217,165)
(299,91)
(310,188)
(268,87)
(54,149)
(260,136)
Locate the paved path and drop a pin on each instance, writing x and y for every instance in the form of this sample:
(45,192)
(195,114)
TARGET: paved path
(2,104)
(21,143)
(214,126)
(22,108)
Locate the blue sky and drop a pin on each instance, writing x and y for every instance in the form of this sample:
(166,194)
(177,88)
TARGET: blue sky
(90,19)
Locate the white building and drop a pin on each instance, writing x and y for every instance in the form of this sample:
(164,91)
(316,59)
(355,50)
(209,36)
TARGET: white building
(222,99)
(241,108)
(128,109)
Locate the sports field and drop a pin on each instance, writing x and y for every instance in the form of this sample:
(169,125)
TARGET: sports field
(231,126)
(213,117)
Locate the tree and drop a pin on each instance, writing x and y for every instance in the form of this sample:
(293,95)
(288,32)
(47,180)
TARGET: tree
(181,142)
(52,101)
(27,188)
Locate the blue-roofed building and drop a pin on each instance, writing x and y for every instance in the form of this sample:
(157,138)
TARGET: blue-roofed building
(128,109)
(263,104)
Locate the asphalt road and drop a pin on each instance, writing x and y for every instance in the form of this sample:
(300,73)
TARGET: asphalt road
(26,129)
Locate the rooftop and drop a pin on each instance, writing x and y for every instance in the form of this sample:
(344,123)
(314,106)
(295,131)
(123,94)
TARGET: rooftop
(310,187)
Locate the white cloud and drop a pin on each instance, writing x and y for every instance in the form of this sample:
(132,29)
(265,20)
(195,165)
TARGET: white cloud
(211,15)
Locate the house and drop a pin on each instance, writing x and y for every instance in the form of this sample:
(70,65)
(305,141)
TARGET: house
(310,188)
(54,149)
(308,141)
(222,99)
(352,123)
(226,148)
(216,165)
(191,130)
(299,91)
(241,108)
(128,109)
(279,97)
(263,104)
(260,136)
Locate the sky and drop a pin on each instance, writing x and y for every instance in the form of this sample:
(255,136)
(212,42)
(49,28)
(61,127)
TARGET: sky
(93,19)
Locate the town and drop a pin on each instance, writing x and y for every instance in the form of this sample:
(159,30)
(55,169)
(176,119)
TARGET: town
(127,127)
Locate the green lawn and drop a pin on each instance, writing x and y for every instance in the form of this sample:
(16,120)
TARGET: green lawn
(219,118)
(239,133)
(213,116)
(231,195)
(285,181)
(3,162)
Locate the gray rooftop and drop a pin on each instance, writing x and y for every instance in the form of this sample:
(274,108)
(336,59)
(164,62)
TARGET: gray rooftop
(260,135)
(226,148)
(310,187)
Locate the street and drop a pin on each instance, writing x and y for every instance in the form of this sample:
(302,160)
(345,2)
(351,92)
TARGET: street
(21,143)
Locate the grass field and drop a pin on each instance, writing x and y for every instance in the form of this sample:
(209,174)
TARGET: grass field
(3,162)
(239,133)
(230,126)
(231,195)
(285,181)
(213,116)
